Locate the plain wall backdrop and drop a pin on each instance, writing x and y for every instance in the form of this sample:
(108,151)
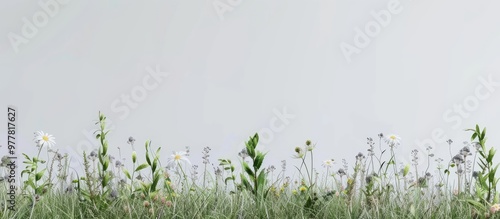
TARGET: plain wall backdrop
(214,72)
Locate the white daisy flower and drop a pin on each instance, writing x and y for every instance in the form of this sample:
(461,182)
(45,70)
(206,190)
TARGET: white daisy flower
(42,139)
(178,157)
(328,163)
(393,140)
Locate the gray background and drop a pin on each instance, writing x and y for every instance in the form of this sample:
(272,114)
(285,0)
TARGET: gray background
(227,77)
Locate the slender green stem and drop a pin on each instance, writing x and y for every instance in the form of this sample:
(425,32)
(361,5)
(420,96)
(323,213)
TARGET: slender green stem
(312,169)
(183,174)
(396,174)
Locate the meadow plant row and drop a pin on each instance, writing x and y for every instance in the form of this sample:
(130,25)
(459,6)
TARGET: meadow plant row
(375,186)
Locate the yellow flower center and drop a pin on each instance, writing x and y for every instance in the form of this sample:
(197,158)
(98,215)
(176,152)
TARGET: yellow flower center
(45,138)
(177,157)
(392,137)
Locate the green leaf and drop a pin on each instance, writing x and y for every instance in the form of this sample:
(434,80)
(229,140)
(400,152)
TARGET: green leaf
(142,166)
(105,180)
(477,204)
(406,170)
(222,162)
(105,165)
(39,175)
(105,148)
(474,136)
(134,156)
(101,158)
(39,190)
(248,170)
(483,183)
(250,149)
(309,203)
(146,144)
(26,156)
(259,158)
(156,179)
(495,169)
(492,176)
(227,179)
(25,171)
(148,160)
(491,153)
(31,184)
(381,166)
(246,183)
(255,140)
(153,167)
(391,161)
(127,173)
(262,178)
(478,131)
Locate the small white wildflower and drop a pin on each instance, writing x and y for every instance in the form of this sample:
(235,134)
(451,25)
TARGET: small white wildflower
(393,140)
(42,139)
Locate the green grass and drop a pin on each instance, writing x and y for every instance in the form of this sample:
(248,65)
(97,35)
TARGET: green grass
(374,187)
(206,204)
